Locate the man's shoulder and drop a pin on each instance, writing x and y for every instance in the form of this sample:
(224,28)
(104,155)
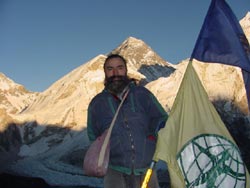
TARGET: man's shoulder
(139,88)
(99,96)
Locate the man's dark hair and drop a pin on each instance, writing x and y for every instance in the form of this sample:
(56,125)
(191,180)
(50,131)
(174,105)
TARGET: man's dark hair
(111,56)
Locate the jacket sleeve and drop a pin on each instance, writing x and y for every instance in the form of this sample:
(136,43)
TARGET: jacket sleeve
(90,130)
(158,116)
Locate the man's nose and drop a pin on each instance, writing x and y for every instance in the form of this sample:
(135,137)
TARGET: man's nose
(115,72)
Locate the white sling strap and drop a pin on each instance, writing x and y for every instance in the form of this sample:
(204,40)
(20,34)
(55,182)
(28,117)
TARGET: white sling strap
(106,140)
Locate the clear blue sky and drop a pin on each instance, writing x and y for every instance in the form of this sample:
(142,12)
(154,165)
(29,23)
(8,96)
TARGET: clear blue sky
(43,40)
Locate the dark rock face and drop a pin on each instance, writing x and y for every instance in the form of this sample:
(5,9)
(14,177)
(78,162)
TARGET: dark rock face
(10,138)
(10,142)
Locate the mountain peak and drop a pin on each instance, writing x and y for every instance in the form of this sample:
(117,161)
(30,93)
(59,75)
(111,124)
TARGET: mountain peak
(245,24)
(131,44)
(14,97)
(247,15)
(7,83)
(133,40)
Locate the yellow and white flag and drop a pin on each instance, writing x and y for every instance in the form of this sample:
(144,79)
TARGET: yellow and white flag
(195,143)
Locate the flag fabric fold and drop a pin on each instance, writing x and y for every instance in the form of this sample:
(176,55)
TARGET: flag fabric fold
(222,40)
(196,145)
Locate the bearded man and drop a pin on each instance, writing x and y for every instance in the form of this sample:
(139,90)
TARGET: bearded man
(133,138)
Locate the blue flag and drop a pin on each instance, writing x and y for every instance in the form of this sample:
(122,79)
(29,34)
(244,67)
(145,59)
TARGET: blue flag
(222,40)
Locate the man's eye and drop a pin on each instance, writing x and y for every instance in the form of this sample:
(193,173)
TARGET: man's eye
(121,67)
(109,68)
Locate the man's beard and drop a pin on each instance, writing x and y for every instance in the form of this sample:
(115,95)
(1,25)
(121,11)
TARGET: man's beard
(116,84)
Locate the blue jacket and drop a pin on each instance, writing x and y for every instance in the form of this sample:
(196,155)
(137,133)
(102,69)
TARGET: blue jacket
(132,142)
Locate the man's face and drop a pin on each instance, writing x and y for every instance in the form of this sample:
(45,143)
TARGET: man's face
(115,67)
(115,75)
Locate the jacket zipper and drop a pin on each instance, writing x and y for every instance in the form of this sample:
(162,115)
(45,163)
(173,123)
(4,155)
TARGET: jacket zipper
(131,143)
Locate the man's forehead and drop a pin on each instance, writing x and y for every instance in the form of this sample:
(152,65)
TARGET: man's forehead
(115,62)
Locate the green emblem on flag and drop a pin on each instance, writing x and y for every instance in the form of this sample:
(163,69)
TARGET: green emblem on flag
(212,161)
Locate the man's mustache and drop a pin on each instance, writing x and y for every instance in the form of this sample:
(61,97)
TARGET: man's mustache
(114,78)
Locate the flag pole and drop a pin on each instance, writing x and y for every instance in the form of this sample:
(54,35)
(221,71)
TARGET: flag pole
(148,175)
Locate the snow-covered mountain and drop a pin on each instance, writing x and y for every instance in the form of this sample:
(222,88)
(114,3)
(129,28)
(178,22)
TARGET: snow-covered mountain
(43,134)
(14,97)
(52,135)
